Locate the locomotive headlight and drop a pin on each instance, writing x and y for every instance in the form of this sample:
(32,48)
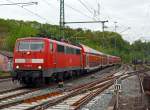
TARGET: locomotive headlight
(39,67)
(17,67)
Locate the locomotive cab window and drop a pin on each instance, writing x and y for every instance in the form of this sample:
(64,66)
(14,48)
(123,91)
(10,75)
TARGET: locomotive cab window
(60,48)
(23,46)
(30,46)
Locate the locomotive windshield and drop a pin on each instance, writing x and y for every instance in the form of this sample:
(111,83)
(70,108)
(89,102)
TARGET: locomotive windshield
(30,45)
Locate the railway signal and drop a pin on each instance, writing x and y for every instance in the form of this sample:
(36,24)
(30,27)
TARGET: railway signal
(117,90)
(118,85)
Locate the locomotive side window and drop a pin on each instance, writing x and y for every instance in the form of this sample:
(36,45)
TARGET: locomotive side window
(78,51)
(60,48)
(36,46)
(51,47)
(67,50)
(70,50)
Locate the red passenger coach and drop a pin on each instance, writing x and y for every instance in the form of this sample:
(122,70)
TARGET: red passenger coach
(112,60)
(92,59)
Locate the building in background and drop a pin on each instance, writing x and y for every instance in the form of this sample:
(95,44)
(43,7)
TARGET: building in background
(6,61)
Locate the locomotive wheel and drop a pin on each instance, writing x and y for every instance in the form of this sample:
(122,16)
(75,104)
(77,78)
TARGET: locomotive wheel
(77,74)
(71,74)
(60,77)
(49,80)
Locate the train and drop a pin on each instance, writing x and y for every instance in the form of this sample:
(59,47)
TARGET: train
(37,60)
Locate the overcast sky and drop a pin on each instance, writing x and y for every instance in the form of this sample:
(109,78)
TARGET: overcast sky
(127,13)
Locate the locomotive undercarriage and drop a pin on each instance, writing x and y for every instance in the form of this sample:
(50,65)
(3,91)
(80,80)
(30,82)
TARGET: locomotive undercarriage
(28,77)
(37,77)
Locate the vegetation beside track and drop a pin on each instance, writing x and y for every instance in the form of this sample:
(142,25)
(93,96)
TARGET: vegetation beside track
(4,74)
(112,43)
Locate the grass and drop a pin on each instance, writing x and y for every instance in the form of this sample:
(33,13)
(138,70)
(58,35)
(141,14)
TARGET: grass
(3,74)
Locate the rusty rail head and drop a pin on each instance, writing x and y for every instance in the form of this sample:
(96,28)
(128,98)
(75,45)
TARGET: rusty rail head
(45,96)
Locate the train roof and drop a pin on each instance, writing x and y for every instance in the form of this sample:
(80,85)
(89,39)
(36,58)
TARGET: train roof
(65,44)
(112,56)
(90,50)
(51,40)
(36,38)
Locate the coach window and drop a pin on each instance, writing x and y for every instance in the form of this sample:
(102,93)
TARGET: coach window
(67,50)
(60,48)
(74,51)
(71,50)
(51,47)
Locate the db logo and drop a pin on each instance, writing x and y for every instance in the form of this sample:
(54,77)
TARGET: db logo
(28,60)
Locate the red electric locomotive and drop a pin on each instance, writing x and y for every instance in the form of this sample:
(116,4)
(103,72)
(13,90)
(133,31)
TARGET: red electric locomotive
(38,59)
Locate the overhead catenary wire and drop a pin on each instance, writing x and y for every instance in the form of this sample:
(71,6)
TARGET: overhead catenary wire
(78,11)
(49,4)
(85,6)
(27,3)
(95,11)
(68,6)
(29,11)
(89,5)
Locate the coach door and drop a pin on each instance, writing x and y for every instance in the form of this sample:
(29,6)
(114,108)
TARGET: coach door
(52,48)
(87,60)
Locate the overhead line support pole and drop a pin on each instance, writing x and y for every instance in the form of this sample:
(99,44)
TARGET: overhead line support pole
(115,31)
(103,27)
(62,18)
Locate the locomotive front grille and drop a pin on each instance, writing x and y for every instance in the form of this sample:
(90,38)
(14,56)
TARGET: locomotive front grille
(28,73)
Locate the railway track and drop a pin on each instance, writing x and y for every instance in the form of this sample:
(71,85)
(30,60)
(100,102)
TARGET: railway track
(15,96)
(51,98)
(56,97)
(13,93)
(18,96)
(6,78)
(137,100)
(143,93)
